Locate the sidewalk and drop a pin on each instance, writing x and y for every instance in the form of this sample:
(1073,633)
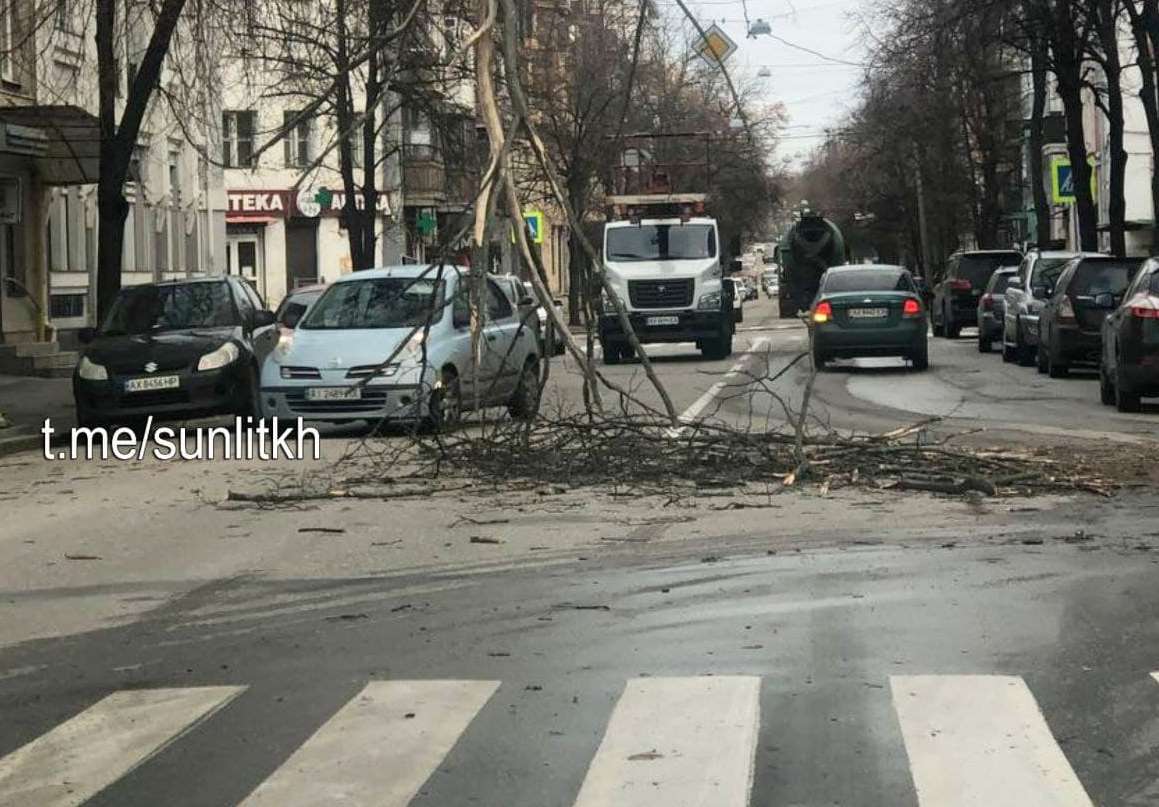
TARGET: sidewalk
(25,402)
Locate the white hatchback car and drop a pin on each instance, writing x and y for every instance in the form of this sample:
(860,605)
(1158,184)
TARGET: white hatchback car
(331,367)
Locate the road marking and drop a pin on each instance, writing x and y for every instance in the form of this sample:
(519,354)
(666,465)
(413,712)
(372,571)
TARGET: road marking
(379,748)
(702,403)
(981,741)
(1155,675)
(82,756)
(677,742)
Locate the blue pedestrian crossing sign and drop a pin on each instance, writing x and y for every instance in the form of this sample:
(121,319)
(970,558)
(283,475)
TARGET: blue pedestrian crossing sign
(533,220)
(1062,180)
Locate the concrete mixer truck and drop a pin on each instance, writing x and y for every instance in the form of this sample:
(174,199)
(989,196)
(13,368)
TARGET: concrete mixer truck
(812,245)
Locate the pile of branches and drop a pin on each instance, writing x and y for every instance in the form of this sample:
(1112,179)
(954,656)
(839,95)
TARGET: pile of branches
(644,455)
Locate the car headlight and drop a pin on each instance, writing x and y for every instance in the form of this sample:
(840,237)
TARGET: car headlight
(282,348)
(91,371)
(225,355)
(709,302)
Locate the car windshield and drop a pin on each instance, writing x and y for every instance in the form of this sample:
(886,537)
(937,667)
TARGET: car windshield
(867,280)
(978,268)
(150,308)
(1047,270)
(661,242)
(387,302)
(1103,277)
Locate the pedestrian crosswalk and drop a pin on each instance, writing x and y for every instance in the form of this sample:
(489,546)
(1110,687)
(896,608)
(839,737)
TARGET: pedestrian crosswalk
(676,742)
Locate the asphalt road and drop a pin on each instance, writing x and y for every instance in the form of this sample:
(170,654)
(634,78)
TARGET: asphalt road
(159,647)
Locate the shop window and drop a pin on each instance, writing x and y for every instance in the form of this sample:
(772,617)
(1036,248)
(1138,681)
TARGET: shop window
(66,306)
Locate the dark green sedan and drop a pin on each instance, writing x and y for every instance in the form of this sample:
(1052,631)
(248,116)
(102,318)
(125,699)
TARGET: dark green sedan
(869,310)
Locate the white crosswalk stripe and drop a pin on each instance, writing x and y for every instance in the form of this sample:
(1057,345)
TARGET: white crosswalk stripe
(971,741)
(82,756)
(981,741)
(677,742)
(379,748)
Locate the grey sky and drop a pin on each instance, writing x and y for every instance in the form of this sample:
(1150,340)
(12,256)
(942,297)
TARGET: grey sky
(816,92)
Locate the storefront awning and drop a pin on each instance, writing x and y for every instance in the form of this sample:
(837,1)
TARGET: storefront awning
(64,142)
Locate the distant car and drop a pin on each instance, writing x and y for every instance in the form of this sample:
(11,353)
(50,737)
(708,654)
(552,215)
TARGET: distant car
(868,310)
(992,307)
(1070,326)
(295,305)
(1129,362)
(557,345)
(750,289)
(1024,301)
(332,367)
(175,350)
(956,296)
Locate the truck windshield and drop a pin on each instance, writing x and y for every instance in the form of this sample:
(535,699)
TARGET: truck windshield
(661,242)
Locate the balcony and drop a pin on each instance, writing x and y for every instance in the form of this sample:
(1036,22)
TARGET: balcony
(424,176)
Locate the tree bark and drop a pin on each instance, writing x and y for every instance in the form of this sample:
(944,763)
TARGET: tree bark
(118,141)
(1068,53)
(1038,60)
(346,120)
(1107,28)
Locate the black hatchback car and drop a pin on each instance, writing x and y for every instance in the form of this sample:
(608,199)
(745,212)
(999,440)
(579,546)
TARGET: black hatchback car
(1129,369)
(955,303)
(179,349)
(1071,322)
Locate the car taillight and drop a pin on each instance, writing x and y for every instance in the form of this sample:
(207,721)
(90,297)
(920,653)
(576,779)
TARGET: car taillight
(987,302)
(1066,310)
(823,312)
(911,308)
(1146,311)
(961,285)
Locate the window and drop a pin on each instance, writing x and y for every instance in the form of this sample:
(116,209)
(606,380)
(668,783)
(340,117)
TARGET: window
(7,43)
(66,306)
(393,302)
(498,305)
(171,307)
(661,242)
(297,139)
(237,133)
(867,280)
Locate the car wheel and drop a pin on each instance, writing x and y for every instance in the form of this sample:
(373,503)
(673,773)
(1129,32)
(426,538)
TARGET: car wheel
(524,404)
(1054,367)
(921,357)
(984,343)
(1040,360)
(820,359)
(446,403)
(1126,399)
(953,329)
(87,420)
(1106,389)
(717,349)
(612,353)
(251,407)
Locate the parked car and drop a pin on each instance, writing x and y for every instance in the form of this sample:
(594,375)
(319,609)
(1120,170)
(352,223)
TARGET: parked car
(179,349)
(1024,301)
(956,295)
(295,305)
(992,307)
(868,310)
(738,297)
(750,286)
(546,327)
(1071,322)
(332,368)
(1129,362)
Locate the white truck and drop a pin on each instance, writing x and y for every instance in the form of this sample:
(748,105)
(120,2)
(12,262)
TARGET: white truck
(664,261)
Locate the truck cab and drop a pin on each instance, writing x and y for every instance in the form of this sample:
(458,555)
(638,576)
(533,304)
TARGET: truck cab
(664,263)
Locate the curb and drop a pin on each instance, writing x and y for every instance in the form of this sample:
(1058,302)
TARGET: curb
(18,443)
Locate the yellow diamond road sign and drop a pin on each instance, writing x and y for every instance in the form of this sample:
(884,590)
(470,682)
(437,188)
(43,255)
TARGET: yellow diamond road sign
(715,46)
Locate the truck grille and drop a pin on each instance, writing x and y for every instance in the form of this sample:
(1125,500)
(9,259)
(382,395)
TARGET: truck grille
(660,293)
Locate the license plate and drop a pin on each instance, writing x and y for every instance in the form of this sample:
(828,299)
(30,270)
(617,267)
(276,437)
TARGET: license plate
(152,383)
(868,313)
(334,394)
(652,321)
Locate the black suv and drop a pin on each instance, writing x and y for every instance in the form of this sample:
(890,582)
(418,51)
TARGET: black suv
(1070,325)
(955,303)
(1129,369)
(179,349)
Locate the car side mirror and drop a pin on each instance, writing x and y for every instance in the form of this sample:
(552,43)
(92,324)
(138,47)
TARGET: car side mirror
(526,301)
(1105,300)
(86,335)
(263,319)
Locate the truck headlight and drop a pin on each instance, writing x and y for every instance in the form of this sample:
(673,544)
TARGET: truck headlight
(225,355)
(709,302)
(91,371)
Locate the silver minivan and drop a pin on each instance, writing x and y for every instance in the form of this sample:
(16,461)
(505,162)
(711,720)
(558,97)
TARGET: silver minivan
(334,365)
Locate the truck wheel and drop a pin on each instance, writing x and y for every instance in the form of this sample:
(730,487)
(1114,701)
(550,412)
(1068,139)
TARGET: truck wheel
(612,353)
(717,349)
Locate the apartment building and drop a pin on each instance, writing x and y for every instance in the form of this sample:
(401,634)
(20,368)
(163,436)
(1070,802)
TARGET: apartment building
(48,171)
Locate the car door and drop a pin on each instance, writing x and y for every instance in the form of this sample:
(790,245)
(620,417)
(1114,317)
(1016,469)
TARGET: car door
(265,337)
(1015,295)
(1048,317)
(502,360)
(1112,329)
